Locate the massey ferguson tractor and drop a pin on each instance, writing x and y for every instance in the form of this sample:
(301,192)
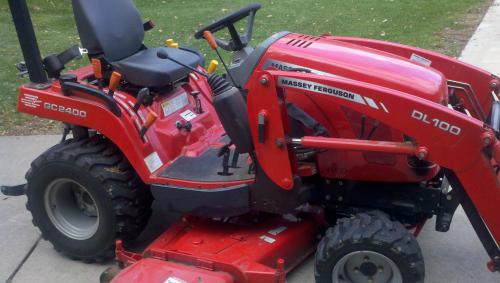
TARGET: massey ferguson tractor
(337,146)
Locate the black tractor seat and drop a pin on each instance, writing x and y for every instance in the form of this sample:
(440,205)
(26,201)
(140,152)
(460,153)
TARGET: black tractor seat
(113,30)
(144,68)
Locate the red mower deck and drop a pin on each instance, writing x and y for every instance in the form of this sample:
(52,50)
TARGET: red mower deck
(197,250)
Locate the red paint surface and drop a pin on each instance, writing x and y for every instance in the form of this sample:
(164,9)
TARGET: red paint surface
(213,249)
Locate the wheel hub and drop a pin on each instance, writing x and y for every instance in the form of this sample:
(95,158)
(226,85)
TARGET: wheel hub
(366,267)
(71,209)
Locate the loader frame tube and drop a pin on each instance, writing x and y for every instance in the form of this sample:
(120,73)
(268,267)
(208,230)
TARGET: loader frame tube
(475,219)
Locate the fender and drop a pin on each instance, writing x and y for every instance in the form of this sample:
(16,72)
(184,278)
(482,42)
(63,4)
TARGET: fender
(83,110)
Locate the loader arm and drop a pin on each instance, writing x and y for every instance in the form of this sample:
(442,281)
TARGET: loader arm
(462,144)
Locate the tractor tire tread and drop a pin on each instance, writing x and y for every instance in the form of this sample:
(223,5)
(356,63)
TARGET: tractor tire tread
(373,228)
(101,158)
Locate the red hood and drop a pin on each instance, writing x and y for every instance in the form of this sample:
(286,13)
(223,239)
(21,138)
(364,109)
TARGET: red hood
(326,56)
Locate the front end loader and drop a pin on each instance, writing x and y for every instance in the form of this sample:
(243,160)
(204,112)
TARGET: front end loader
(337,146)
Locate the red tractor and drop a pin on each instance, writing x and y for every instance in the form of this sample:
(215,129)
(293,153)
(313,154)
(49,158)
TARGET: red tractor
(335,145)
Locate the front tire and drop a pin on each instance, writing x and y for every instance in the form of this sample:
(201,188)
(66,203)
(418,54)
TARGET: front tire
(83,195)
(369,247)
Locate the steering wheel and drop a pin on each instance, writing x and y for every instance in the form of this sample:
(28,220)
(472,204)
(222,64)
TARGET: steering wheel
(237,42)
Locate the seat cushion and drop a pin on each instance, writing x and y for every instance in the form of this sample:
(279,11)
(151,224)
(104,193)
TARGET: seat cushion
(144,68)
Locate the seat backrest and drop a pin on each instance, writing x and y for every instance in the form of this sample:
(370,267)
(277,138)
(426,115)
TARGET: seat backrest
(110,27)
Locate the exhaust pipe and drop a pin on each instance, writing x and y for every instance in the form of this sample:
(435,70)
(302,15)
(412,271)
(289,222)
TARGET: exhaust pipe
(27,40)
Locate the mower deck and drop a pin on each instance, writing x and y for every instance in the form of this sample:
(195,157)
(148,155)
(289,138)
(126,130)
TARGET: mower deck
(241,250)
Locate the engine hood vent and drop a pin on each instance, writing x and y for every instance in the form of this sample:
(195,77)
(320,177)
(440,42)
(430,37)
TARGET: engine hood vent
(303,41)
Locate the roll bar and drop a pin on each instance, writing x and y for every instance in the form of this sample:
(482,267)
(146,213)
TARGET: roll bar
(27,39)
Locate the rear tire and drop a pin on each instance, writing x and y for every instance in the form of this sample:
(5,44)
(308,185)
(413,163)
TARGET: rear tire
(83,195)
(369,247)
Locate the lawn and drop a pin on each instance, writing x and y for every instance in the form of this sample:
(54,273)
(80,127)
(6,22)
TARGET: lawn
(415,22)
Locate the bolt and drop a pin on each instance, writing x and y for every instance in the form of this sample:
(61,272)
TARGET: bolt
(366,259)
(448,197)
(328,197)
(380,269)
(487,138)
(340,199)
(264,81)
(356,270)
(486,141)
(370,280)
(422,152)
(280,143)
(494,85)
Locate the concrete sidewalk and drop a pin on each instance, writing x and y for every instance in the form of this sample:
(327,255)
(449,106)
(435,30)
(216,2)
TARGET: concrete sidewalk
(456,256)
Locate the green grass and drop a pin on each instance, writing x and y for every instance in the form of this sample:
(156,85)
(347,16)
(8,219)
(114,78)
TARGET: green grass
(414,22)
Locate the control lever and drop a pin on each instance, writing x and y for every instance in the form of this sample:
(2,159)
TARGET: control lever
(197,101)
(163,54)
(114,82)
(150,119)
(234,161)
(141,96)
(212,67)
(209,37)
(225,151)
(96,65)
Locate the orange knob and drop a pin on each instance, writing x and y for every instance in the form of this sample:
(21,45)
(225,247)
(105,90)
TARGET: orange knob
(150,119)
(209,37)
(114,81)
(96,65)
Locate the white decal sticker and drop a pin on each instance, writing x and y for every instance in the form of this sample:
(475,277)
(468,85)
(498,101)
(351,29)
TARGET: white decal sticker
(267,239)
(383,107)
(64,109)
(442,125)
(320,88)
(421,60)
(153,162)
(119,95)
(125,106)
(174,104)
(285,66)
(277,231)
(188,115)
(371,103)
(31,101)
(174,280)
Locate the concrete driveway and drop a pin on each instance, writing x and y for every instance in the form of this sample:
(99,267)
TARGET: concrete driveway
(456,256)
